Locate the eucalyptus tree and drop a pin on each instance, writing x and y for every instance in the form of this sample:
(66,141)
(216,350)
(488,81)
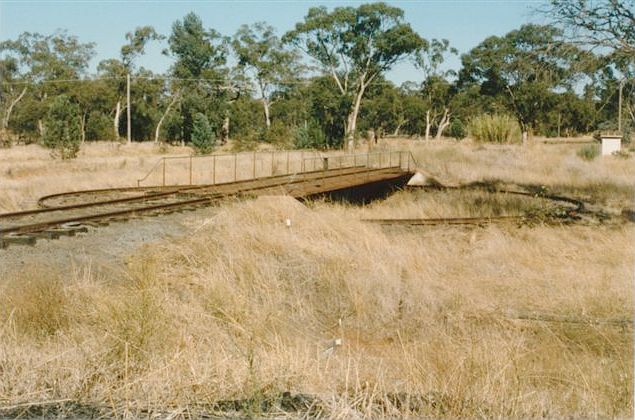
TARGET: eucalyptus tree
(115,71)
(199,71)
(608,24)
(522,70)
(262,56)
(436,88)
(608,29)
(42,65)
(355,46)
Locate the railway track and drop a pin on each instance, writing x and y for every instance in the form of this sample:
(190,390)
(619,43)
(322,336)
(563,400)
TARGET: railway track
(99,207)
(572,209)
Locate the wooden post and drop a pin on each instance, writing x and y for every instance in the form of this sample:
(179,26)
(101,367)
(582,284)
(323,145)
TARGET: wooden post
(128,108)
(253,169)
(287,162)
(235,166)
(272,162)
(164,172)
(214,170)
(190,169)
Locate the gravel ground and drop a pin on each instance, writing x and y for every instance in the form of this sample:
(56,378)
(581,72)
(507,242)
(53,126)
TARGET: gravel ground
(103,250)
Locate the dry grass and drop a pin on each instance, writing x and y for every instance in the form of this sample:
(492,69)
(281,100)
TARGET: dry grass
(444,322)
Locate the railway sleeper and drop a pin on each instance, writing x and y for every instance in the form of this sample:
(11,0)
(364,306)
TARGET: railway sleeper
(17,239)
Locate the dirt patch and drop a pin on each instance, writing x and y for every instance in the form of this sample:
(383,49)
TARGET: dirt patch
(103,250)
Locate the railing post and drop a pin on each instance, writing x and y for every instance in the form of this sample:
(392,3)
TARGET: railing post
(235,166)
(272,162)
(214,170)
(302,162)
(287,162)
(253,175)
(164,172)
(190,169)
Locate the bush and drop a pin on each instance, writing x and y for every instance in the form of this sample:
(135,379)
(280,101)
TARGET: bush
(457,130)
(611,127)
(589,152)
(277,134)
(98,126)
(62,132)
(203,137)
(494,129)
(309,136)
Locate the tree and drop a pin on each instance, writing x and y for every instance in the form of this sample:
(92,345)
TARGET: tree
(115,71)
(608,24)
(261,54)
(354,46)
(521,71)
(200,57)
(38,64)
(435,88)
(607,28)
(203,137)
(62,128)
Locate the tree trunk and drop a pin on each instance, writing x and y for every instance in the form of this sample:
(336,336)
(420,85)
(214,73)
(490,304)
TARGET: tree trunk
(399,125)
(40,127)
(428,125)
(116,120)
(265,104)
(224,132)
(445,121)
(352,118)
(82,126)
(157,132)
(7,114)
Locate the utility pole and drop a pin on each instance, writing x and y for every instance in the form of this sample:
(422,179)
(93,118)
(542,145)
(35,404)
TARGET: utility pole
(128,107)
(619,106)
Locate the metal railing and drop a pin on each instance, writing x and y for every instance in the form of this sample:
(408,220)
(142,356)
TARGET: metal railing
(233,167)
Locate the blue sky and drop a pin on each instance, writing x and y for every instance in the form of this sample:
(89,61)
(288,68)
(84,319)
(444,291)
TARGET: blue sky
(465,23)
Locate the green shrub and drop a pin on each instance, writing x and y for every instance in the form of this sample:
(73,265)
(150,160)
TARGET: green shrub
(98,126)
(309,136)
(457,130)
(278,134)
(203,137)
(588,152)
(494,129)
(62,133)
(611,127)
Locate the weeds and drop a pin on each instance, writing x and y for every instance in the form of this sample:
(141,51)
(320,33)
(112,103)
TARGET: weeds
(494,129)
(238,317)
(589,152)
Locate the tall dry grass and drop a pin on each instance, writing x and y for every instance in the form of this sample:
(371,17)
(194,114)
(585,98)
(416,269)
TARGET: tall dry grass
(432,323)
(445,322)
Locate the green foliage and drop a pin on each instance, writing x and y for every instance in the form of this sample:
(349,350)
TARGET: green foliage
(198,54)
(516,74)
(494,129)
(203,136)
(277,134)
(362,42)
(588,152)
(310,136)
(98,126)
(457,129)
(611,127)
(62,128)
